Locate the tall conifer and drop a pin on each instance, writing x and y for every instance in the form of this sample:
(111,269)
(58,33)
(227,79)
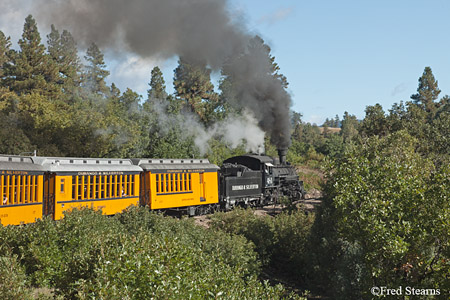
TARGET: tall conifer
(5,44)
(62,49)
(157,85)
(193,85)
(32,69)
(427,92)
(95,71)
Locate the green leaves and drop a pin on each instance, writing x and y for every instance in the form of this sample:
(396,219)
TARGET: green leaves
(135,255)
(280,242)
(389,199)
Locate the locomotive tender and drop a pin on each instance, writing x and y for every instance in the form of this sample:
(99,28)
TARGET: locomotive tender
(32,187)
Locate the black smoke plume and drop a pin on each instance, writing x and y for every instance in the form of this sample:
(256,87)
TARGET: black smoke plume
(197,30)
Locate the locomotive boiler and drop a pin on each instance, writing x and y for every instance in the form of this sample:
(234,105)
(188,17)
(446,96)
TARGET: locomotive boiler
(258,180)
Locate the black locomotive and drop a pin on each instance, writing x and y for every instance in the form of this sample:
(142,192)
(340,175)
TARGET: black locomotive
(257,180)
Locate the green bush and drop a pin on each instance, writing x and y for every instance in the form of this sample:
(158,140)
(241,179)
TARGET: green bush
(382,220)
(13,283)
(134,255)
(292,233)
(233,250)
(280,241)
(258,230)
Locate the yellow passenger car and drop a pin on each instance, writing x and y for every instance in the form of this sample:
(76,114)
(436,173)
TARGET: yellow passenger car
(99,183)
(178,183)
(21,194)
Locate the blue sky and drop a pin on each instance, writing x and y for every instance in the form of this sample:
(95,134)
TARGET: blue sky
(337,55)
(344,55)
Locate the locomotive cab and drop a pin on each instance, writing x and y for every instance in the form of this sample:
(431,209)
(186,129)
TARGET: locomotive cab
(268,174)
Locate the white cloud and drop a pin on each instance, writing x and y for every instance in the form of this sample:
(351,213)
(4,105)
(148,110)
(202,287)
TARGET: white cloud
(131,71)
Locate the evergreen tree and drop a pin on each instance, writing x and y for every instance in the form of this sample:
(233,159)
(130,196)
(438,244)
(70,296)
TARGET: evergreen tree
(130,102)
(296,118)
(375,122)
(427,92)
(326,131)
(193,85)
(444,103)
(95,71)
(258,44)
(311,135)
(157,85)
(328,123)
(337,122)
(62,49)
(231,86)
(228,97)
(54,43)
(5,44)
(157,91)
(32,69)
(349,128)
(438,136)
(114,93)
(396,116)
(298,132)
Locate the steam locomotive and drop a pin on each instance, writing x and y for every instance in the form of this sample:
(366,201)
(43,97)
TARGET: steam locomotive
(258,180)
(32,187)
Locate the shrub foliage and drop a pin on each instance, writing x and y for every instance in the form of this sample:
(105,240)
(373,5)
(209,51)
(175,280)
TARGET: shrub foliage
(135,255)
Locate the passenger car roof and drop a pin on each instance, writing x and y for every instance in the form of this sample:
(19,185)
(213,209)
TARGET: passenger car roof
(19,163)
(72,164)
(174,164)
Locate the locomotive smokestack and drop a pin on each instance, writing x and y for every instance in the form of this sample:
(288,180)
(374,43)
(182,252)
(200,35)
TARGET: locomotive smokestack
(282,154)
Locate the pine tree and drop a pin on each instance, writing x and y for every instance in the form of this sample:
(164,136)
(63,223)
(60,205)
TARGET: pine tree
(5,44)
(349,127)
(95,71)
(130,101)
(114,93)
(32,69)
(396,117)
(251,80)
(157,91)
(427,92)
(327,123)
(62,49)
(296,118)
(375,122)
(228,84)
(258,44)
(337,122)
(157,85)
(193,85)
